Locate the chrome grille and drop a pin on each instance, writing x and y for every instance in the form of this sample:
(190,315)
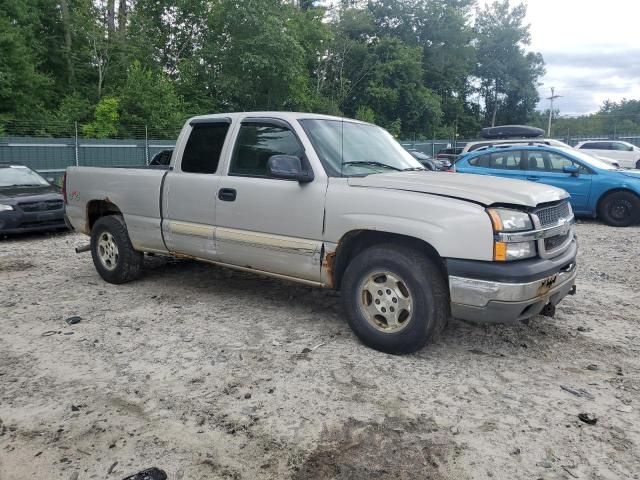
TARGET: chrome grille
(43,206)
(550,216)
(554,242)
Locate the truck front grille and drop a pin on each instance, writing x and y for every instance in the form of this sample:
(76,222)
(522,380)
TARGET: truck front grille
(550,216)
(552,243)
(43,206)
(555,216)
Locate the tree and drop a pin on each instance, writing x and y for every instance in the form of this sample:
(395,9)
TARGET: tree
(24,89)
(507,75)
(105,123)
(253,60)
(149,98)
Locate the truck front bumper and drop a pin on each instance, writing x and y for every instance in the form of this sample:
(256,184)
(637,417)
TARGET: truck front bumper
(518,290)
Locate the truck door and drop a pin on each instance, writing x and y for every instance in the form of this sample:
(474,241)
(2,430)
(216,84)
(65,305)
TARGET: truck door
(189,192)
(264,223)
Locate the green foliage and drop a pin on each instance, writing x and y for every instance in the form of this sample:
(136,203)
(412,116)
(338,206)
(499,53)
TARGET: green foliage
(415,67)
(366,114)
(106,117)
(508,75)
(148,98)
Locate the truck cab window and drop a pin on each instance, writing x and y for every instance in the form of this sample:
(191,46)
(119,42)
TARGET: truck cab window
(257,142)
(202,153)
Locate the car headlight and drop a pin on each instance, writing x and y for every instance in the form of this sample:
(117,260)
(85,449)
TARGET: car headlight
(5,208)
(505,220)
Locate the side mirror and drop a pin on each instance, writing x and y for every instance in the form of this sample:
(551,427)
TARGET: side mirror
(288,167)
(50,180)
(572,169)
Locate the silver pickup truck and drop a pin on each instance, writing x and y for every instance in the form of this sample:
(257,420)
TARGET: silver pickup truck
(336,203)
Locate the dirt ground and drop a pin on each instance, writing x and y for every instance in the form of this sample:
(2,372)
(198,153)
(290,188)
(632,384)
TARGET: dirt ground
(209,373)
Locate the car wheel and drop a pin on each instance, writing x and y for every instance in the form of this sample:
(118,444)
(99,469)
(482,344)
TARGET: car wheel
(638,164)
(620,209)
(396,298)
(113,255)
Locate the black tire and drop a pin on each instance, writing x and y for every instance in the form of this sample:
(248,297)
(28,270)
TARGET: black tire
(430,307)
(638,164)
(128,262)
(620,209)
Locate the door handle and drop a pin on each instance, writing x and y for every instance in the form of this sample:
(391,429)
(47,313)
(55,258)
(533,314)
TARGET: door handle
(533,179)
(227,194)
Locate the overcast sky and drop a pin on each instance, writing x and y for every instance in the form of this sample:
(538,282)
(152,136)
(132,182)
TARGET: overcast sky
(591,49)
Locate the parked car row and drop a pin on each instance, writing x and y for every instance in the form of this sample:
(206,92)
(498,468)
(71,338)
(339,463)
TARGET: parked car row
(626,154)
(597,188)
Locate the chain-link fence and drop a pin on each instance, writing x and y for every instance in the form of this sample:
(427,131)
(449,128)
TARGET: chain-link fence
(51,147)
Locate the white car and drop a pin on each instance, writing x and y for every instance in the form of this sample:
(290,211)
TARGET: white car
(625,153)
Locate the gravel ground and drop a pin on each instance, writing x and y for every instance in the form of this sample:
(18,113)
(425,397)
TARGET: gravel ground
(209,373)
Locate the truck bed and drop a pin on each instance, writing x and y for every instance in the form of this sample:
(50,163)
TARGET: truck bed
(136,191)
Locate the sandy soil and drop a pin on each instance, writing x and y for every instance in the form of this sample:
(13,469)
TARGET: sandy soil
(207,373)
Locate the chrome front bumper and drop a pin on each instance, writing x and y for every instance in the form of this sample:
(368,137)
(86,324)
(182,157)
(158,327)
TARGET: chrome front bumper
(488,301)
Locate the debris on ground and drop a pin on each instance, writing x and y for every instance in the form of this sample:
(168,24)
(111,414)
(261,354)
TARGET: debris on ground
(73,320)
(152,473)
(588,418)
(578,392)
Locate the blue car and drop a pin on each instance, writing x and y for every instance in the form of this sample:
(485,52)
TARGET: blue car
(597,188)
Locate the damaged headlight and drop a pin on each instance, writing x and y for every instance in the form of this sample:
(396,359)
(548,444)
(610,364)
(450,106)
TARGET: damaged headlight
(505,220)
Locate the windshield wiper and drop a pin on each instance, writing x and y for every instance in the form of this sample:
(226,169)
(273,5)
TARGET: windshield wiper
(373,164)
(25,185)
(413,169)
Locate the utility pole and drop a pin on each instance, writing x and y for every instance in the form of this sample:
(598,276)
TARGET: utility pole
(551,98)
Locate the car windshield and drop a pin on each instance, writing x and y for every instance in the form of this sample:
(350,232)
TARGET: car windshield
(352,149)
(16,176)
(588,159)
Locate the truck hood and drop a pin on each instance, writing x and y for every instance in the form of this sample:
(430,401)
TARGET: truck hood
(486,190)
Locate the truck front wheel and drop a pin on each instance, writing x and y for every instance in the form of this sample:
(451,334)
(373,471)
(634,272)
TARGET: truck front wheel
(113,255)
(395,298)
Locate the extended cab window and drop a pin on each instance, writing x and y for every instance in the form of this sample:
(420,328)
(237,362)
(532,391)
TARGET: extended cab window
(257,142)
(202,153)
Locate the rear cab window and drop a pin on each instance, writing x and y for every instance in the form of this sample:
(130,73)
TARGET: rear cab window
(204,147)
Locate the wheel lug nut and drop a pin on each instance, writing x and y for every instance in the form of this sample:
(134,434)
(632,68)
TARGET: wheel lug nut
(384,310)
(388,292)
(379,292)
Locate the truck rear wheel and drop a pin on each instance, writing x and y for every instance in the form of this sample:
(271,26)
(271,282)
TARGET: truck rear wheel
(396,298)
(113,255)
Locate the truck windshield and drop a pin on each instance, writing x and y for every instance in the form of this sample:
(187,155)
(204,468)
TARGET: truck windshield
(352,149)
(19,176)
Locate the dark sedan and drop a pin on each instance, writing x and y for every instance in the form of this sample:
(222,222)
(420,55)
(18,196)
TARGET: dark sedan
(28,203)
(429,162)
